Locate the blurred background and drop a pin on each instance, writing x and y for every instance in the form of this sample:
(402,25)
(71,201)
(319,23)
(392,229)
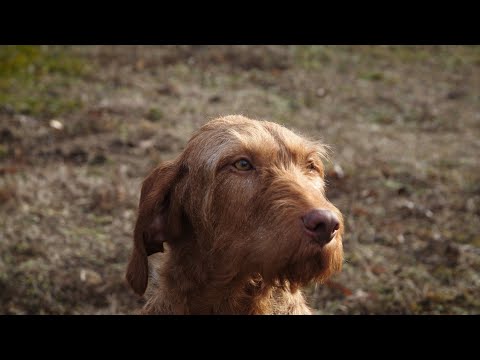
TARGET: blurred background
(80,127)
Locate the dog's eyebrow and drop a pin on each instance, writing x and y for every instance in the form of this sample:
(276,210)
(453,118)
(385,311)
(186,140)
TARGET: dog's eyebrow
(314,154)
(321,150)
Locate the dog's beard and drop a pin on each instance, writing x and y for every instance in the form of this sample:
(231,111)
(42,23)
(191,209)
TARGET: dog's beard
(287,259)
(310,263)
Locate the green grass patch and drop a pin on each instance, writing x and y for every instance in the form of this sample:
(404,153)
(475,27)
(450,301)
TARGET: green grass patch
(3,151)
(372,76)
(34,80)
(381,118)
(155,114)
(313,57)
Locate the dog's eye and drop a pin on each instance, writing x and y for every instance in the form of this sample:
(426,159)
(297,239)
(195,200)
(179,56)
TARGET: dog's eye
(311,166)
(243,165)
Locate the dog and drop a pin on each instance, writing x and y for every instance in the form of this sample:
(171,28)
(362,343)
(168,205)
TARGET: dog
(240,222)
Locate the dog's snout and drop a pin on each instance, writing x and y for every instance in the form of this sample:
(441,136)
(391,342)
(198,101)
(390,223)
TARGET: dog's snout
(322,224)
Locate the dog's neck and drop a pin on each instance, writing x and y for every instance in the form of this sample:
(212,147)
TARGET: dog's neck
(192,286)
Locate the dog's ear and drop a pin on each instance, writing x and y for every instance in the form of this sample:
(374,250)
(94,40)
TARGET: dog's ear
(152,222)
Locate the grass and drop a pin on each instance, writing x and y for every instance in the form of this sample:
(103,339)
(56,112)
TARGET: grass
(155,114)
(360,56)
(33,79)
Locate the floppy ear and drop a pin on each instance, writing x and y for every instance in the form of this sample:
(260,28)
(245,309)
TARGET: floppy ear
(151,227)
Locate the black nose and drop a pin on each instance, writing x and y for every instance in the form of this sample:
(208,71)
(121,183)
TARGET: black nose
(322,223)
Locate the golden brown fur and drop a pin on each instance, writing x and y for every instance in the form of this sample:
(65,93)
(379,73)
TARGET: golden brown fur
(234,239)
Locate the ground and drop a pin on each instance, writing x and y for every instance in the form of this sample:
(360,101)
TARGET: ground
(81,126)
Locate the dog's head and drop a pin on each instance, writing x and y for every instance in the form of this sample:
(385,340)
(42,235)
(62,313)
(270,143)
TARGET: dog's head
(251,195)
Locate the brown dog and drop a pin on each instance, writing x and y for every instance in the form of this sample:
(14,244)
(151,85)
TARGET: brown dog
(244,216)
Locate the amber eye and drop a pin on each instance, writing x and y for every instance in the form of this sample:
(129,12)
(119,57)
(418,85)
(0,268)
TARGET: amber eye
(243,165)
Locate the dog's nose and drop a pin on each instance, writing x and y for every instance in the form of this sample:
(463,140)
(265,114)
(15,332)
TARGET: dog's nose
(322,223)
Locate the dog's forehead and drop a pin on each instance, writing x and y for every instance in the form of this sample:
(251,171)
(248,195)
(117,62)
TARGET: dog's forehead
(256,135)
(270,140)
(234,135)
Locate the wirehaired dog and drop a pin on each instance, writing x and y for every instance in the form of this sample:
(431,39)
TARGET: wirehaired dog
(242,220)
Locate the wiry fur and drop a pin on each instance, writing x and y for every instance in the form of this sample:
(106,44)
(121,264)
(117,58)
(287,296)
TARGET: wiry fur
(235,242)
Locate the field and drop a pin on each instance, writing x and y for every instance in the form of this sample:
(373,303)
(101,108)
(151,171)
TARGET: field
(80,126)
